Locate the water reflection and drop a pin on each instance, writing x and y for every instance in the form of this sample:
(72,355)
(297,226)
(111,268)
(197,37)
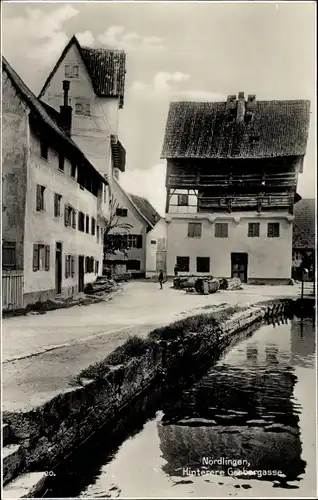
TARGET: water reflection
(243,409)
(303,343)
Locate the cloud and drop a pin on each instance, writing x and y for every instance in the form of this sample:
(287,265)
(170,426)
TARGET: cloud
(197,95)
(161,84)
(85,38)
(148,183)
(40,34)
(117,37)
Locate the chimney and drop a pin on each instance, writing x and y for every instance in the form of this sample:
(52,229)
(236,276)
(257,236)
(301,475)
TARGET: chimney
(240,108)
(66,110)
(230,102)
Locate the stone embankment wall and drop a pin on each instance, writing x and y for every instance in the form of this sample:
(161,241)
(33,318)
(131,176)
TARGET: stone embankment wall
(50,432)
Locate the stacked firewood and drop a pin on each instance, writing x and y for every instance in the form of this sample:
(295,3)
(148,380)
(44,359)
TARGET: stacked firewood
(101,286)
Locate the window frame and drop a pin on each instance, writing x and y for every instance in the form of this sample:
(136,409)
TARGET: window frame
(273,225)
(180,198)
(250,230)
(194,225)
(44,149)
(180,264)
(218,230)
(40,201)
(11,248)
(121,212)
(57,205)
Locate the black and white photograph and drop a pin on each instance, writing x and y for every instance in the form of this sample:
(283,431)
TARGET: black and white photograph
(158,328)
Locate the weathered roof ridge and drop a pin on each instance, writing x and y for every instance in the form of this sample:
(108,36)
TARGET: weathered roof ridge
(41,111)
(146,208)
(207,130)
(132,202)
(96,67)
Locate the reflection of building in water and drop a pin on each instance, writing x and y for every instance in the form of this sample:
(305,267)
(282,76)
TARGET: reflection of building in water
(247,406)
(303,344)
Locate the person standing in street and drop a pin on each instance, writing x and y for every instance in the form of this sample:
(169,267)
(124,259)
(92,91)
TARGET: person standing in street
(176,270)
(160,279)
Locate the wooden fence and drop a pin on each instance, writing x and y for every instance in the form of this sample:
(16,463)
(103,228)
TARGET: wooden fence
(12,290)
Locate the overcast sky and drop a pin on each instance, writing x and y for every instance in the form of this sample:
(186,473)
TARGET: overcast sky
(174,51)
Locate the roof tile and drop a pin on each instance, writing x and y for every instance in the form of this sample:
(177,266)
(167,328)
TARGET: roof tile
(206,130)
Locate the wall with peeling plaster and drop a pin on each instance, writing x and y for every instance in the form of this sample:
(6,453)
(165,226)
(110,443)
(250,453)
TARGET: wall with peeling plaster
(14,167)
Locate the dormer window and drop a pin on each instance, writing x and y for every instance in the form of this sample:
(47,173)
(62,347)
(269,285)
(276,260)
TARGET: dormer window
(71,70)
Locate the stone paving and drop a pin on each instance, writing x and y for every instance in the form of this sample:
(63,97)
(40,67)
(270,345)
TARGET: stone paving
(43,353)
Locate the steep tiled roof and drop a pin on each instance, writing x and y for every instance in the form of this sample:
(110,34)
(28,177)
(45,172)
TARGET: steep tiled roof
(145,208)
(106,68)
(205,130)
(40,111)
(107,71)
(304,224)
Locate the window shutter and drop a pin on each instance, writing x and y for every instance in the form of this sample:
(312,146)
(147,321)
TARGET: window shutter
(74,219)
(139,241)
(66,266)
(66,215)
(38,197)
(47,257)
(35,257)
(73,265)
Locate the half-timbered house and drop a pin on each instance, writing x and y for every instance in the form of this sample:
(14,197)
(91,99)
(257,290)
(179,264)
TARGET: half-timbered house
(232,172)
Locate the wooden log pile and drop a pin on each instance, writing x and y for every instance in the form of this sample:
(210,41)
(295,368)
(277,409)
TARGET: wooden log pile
(101,286)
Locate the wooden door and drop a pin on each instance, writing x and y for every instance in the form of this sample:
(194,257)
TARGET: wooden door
(239,264)
(58,268)
(81,273)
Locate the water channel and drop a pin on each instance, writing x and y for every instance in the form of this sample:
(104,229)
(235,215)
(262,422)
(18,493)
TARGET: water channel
(246,428)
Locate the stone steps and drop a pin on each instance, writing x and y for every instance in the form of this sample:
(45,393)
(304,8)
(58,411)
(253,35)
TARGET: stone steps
(13,457)
(26,485)
(17,484)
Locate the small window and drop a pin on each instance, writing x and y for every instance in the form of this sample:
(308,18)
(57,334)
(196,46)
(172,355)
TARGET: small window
(183,200)
(153,242)
(40,206)
(253,230)
(97,234)
(96,266)
(221,230)
(73,170)
(57,205)
(132,241)
(87,224)
(68,265)
(78,107)
(183,264)
(87,109)
(41,257)
(81,222)
(61,162)
(203,264)
(194,230)
(121,212)
(9,255)
(273,230)
(93,226)
(75,71)
(68,71)
(44,149)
